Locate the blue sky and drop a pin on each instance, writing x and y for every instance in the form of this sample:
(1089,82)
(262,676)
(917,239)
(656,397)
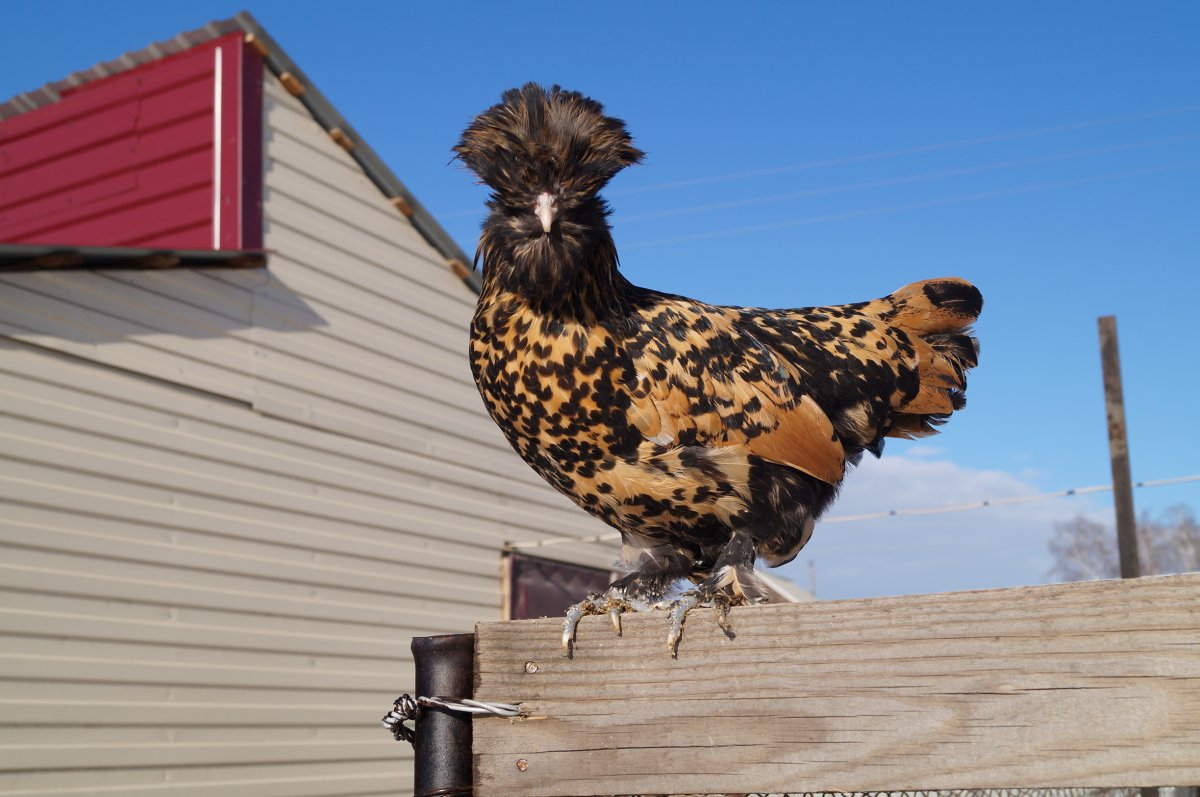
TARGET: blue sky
(812,153)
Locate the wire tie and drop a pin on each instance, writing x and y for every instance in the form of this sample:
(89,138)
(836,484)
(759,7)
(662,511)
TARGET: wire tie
(407,709)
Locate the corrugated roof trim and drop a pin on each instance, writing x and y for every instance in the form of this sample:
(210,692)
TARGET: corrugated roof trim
(32,257)
(321,109)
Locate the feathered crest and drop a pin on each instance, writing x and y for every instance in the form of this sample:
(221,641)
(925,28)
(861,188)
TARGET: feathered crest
(536,140)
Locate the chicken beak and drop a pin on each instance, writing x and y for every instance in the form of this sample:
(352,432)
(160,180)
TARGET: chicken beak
(545,210)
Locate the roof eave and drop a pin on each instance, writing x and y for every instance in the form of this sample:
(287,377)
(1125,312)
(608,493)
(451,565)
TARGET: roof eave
(42,257)
(372,165)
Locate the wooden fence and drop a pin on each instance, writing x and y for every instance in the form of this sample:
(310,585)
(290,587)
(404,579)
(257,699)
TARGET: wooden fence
(1088,684)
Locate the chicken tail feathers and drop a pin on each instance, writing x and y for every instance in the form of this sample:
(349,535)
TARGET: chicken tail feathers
(936,314)
(948,304)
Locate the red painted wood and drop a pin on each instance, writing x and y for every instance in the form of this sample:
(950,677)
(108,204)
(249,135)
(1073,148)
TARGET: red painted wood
(57,177)
(132,158)
(47,220)
(128,120)
(183,205)
(252,150)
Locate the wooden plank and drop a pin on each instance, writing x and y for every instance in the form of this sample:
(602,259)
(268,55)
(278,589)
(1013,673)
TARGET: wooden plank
(1088,684)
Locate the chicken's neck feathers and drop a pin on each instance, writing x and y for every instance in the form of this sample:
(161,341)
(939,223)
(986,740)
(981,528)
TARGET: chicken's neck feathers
(572,278)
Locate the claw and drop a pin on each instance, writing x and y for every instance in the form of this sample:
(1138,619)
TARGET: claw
(572,620)
(686,603)
(614,614)
(721,609)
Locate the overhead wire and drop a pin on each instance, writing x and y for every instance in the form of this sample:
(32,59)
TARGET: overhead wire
(879,155)
(895,153)
(902,180)
(909,512)
(928,203)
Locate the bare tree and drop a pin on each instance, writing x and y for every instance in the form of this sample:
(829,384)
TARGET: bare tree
(1084,549)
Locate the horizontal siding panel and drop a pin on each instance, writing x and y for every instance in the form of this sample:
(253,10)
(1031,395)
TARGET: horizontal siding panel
(374,601)
(42,711)
(377,424)
(419,264)
(90,669)
(361,577)
(289,780)
(118,661)
(377,394)
(162,208)
(161,187)
(316,154)
(188,321)
(166,123)
(227,631)
(160,77)
(357,214)
(180,131)
(110,321)
(33,425)
(373,280)
(379,346)
(35,500)
(89,480)
(334,744)
(87,399)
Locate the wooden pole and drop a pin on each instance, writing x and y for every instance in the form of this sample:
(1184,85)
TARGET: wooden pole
(1118,448)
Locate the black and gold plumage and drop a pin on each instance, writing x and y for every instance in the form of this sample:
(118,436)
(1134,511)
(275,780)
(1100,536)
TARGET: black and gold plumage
(708,435)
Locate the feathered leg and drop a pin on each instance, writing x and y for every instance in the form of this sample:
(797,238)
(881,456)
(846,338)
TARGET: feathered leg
(658,572)
(732,583)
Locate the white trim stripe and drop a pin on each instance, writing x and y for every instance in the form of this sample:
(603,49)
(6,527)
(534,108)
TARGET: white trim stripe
(216,224)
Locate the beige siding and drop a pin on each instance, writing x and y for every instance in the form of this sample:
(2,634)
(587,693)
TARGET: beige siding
(228,500)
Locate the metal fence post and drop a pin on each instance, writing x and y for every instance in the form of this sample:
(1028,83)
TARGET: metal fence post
(444,668)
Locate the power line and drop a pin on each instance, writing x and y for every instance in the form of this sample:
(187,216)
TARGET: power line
(929,510)
(877,211)
(911,178)
(880,155)
(895,153)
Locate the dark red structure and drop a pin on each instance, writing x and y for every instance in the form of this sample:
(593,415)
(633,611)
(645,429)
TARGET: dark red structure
(165,155)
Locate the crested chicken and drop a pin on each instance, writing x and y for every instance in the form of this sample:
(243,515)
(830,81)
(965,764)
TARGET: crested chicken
(709,436)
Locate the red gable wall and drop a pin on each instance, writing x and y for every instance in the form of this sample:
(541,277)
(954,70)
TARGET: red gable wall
(168,154)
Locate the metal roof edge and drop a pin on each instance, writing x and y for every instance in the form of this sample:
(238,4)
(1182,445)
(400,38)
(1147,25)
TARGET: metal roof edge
(373,166)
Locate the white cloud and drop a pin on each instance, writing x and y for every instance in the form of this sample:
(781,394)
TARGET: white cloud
(923,451)
(975,549)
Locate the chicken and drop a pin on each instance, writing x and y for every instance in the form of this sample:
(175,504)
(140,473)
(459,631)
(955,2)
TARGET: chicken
(708,436)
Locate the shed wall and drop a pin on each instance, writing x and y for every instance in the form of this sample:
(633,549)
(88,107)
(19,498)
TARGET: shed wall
(230,498)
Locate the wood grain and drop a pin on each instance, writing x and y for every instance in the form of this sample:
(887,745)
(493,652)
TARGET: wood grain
(1087,684)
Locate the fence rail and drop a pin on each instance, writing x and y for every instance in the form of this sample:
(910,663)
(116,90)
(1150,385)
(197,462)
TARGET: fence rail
(1087,684)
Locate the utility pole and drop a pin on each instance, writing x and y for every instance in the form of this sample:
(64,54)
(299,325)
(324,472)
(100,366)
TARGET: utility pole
(1118,448)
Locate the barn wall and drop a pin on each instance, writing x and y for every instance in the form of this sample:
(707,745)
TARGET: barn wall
(228,499)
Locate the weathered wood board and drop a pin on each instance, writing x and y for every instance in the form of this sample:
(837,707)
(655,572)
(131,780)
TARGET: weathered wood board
(1087,684)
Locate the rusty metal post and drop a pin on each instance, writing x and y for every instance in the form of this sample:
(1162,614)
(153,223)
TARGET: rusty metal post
(1118,448)
(444,668)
